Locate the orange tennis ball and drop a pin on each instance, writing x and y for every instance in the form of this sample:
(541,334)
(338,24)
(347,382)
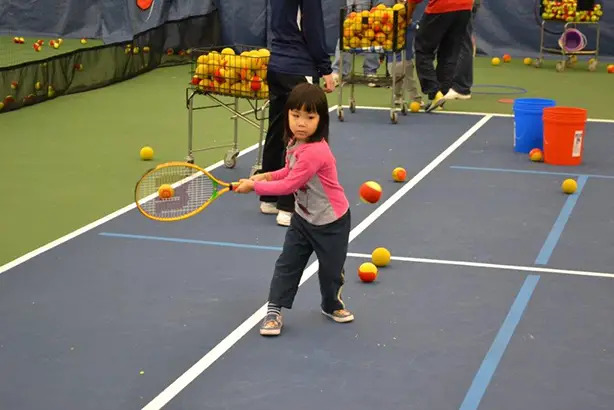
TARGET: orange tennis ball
(166,191)
(536,155)
(370,192)
(399,174)
(367,272)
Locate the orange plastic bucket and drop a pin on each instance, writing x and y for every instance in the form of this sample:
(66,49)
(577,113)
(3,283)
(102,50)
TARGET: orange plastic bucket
(564,129)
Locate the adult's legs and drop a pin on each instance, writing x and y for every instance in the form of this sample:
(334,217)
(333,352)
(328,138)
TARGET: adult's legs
(450,48)
(463,77)
(273,154)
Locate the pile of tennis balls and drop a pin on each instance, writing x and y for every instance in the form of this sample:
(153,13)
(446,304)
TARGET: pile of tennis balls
(567,10)
(227,73)
(375,28)
(371,192)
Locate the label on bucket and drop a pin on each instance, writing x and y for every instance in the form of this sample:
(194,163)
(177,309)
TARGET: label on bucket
(577,143)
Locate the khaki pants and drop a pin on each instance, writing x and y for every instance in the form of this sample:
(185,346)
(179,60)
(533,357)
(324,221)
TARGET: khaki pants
(409,82)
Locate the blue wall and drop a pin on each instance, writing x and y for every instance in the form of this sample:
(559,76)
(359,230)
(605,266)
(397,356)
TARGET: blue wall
(111,20)
(502,26)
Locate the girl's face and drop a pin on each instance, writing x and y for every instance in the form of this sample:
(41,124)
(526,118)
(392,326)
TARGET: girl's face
(303,124)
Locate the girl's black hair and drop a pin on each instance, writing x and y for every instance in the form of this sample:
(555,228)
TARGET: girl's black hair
(311,98)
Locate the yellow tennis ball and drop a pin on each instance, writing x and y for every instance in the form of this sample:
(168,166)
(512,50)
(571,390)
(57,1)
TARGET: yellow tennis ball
(147,153)
(496,61)
(380,257)
(414,106)
(399,174)
(569,186)
(528,61)
(166,191)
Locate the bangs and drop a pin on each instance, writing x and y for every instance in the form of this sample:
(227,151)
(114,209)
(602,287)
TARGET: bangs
(309,98)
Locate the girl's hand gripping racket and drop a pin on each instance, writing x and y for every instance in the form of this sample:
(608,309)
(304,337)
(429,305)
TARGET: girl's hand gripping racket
(177,190)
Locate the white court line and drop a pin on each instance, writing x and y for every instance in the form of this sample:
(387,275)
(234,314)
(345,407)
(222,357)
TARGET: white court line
(92,225)
(494,114)
(490,266)
(223,346)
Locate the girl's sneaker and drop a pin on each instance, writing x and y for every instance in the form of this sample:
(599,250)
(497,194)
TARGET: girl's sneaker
(271,325)
(269,208)
(340,316)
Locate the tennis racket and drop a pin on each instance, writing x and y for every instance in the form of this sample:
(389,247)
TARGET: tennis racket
(177,190)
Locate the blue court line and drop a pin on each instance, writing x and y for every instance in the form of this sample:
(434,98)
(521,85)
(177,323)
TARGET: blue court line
(495,353)
(526,171)
(559,224)
(193,241)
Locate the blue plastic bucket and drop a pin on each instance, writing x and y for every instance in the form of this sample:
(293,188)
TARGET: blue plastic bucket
(529,124)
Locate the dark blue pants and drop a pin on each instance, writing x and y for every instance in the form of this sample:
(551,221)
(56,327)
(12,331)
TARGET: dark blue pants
(463,78)
(330,243)
(439,35)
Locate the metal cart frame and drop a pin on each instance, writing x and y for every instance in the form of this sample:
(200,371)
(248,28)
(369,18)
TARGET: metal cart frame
(226,70)
(569,58)
(387,80)
(230,158)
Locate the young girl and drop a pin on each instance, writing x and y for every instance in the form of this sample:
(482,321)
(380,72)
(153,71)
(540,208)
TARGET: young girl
(321,221)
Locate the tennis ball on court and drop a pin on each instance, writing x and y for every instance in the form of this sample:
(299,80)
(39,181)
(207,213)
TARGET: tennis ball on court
(399,174)
(611,68)
(166,191)
(38,85)
(370,192)
(147,153)
(569,186)
(83,41)
(380,257)
(495,61)
(414,106)
(1,105)
(527,61)
(536,155)
(507,58)
(367,272)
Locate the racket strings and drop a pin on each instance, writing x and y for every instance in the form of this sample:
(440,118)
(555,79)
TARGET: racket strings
(191,189)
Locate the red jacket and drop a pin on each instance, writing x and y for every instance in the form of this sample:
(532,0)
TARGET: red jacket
(445,6)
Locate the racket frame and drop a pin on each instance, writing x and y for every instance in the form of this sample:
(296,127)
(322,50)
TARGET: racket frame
(217,192)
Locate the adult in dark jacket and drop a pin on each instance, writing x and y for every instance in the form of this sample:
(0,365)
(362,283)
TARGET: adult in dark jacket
(298,55)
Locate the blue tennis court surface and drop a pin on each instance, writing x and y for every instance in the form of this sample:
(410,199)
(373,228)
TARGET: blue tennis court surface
(499,294)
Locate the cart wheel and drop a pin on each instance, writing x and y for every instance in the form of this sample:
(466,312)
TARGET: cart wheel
(571,61)
(394,117)
(230,159)
(340,115)
(592,65)
(352,106)
(538,63)
(560,66)
(255,170)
